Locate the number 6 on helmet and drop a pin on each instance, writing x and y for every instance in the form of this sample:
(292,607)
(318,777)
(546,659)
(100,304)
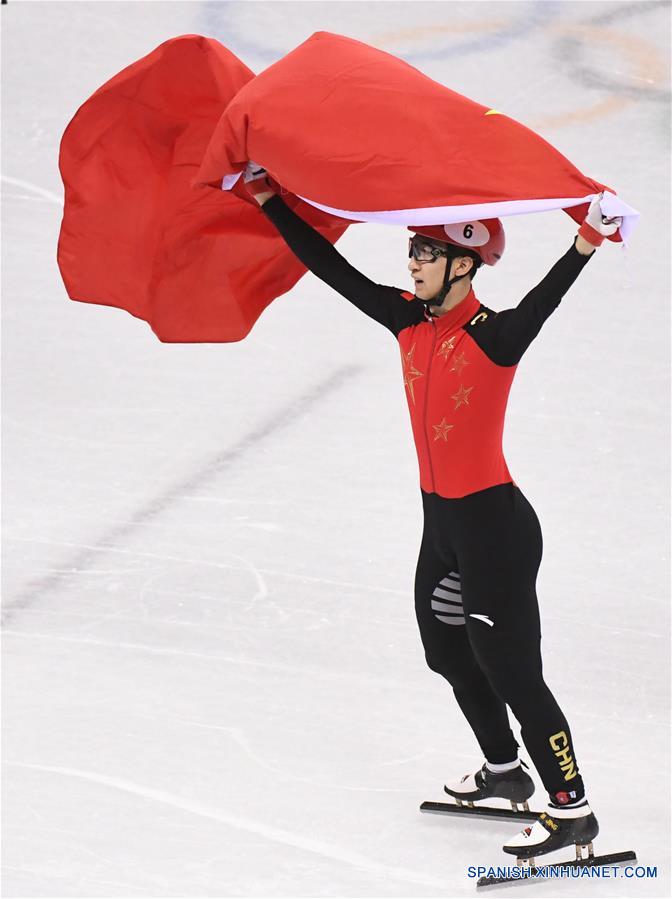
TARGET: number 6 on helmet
(484,237)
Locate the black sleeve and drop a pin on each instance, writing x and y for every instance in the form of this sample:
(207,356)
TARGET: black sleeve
(386,305)
(504,336)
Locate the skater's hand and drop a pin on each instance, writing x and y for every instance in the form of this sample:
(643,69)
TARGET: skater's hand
(596,227)
(258,183)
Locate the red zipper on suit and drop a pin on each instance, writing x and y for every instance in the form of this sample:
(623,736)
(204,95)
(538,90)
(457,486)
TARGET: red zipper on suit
(424,422)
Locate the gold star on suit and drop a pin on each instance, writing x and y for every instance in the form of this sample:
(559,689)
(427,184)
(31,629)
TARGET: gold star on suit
(447,347)
(458,363)
(462,396)
(441,430)
(411,373)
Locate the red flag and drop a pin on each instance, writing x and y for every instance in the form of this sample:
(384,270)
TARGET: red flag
(363,135)
(198,265)
(353,133)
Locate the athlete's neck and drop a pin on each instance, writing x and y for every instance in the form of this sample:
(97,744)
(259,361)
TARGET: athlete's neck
(454,297)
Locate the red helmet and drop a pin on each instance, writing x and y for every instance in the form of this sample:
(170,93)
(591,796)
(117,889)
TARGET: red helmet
(484,237)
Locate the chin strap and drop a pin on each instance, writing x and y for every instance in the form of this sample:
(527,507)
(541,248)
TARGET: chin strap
(445,290)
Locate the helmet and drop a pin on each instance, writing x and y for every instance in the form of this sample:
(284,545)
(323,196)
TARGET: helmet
(485,238)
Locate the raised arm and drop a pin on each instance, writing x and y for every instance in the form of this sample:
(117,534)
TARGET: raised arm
(509,333)
(386,305)
(505,336)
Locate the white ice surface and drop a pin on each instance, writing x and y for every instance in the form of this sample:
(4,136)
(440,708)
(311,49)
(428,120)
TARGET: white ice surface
(213,683)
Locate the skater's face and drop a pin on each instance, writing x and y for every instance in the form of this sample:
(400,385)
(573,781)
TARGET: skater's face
(428,276)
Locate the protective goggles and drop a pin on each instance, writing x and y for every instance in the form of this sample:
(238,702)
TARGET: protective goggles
(423,251)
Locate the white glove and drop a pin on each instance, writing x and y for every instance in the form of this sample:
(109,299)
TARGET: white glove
(253,172)
(596,226)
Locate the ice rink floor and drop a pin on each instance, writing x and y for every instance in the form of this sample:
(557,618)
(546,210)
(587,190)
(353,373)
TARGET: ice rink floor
(213,683)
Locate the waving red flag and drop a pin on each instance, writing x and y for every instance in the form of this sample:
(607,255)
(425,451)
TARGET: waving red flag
(353,133)
(363,135)
(198,265)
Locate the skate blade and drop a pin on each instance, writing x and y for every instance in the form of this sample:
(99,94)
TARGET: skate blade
(479,811)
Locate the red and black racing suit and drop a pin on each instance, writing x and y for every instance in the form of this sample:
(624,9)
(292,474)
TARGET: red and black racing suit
(475,594)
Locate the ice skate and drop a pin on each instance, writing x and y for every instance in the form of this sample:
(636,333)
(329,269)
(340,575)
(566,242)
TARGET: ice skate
(554,829)
(516,785)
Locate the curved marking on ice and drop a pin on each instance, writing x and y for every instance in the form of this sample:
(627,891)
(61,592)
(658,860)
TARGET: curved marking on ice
(33,188)
(276,834)
(239,738)
(262,591)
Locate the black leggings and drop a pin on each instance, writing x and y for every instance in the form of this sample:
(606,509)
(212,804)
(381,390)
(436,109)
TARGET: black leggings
(476,605)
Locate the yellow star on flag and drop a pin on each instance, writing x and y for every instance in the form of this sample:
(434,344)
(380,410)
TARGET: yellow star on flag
(458,363)
(462,396)
(447,347)
(441,430)
(411,373)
